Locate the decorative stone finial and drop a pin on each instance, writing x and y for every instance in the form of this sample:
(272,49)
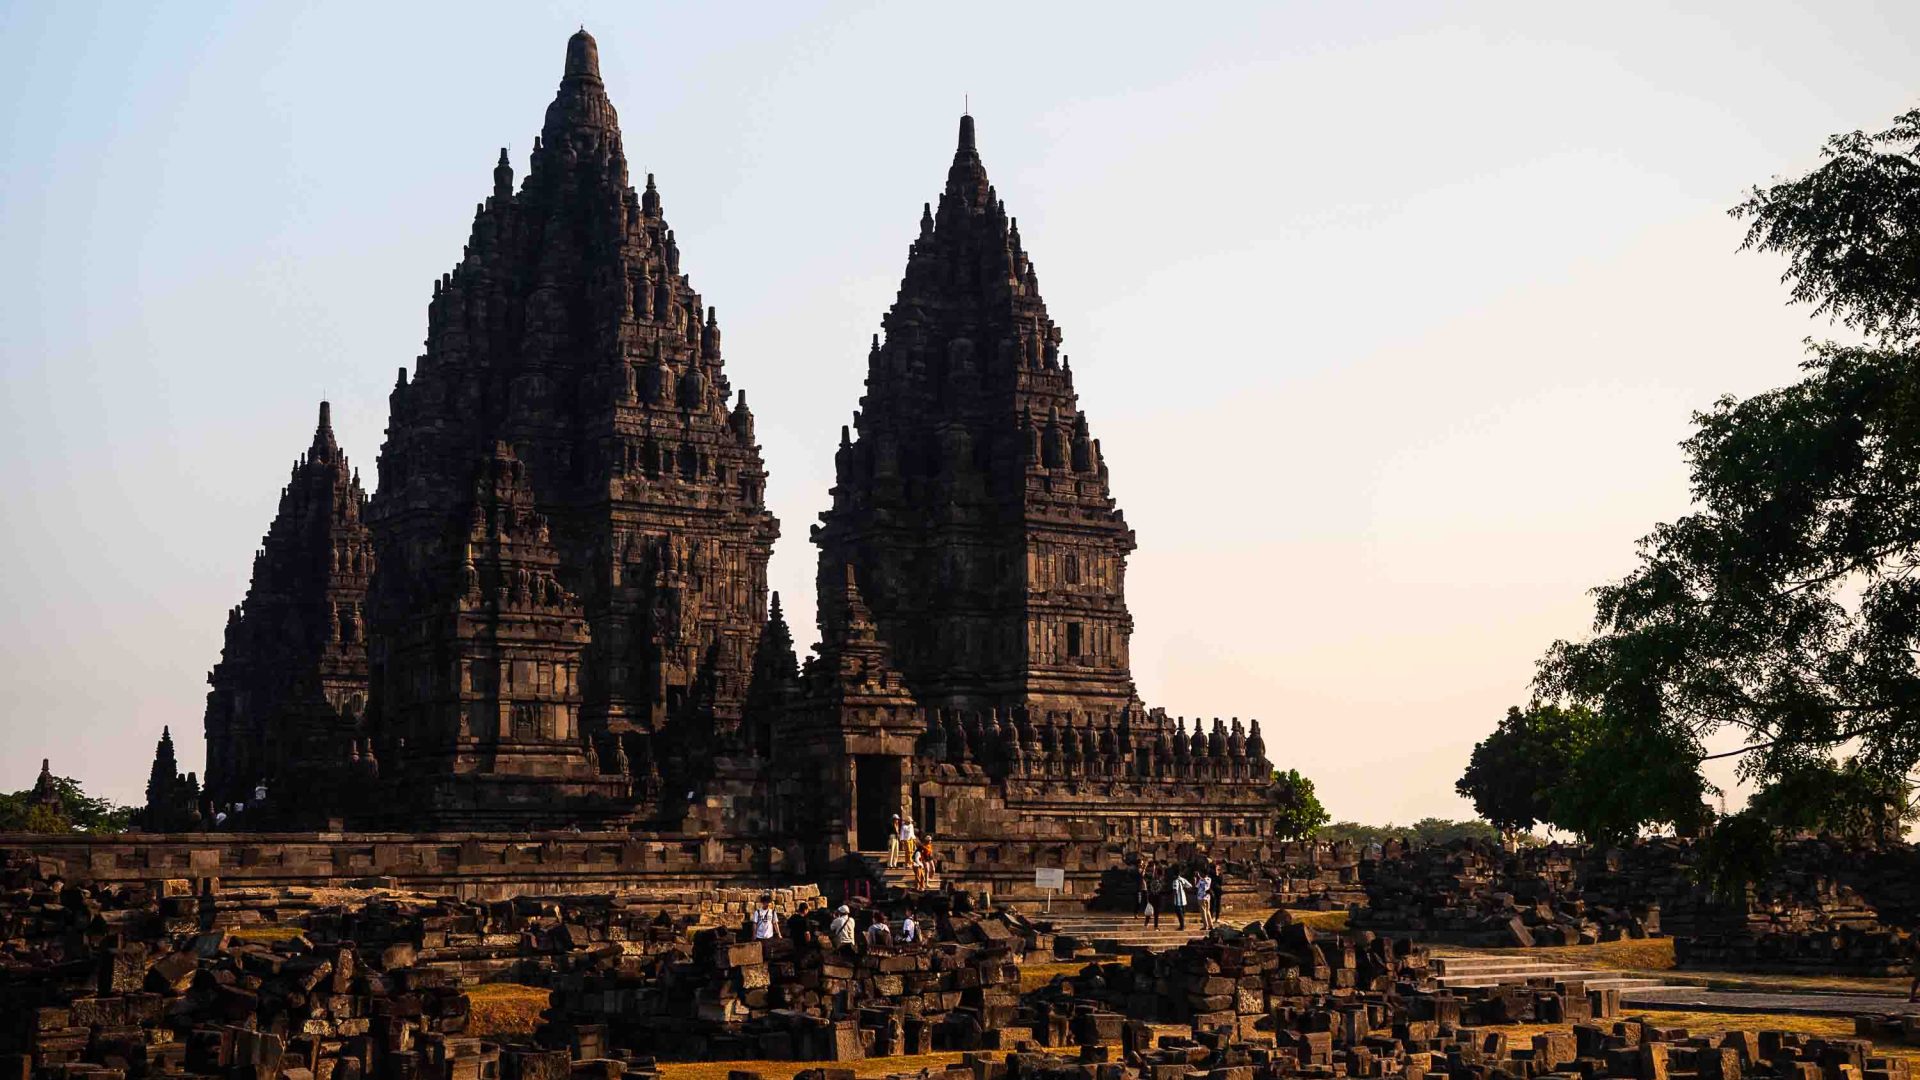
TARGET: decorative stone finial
(583,56)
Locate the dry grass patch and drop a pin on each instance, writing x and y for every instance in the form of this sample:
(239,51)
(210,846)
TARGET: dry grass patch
(1818,984)
(266,933)
(1627,954)
(507,1009)
(1319,920)
(1697,1023)
(1033,976)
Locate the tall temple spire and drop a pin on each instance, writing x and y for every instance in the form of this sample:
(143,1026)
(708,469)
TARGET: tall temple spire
(608,387)
(969,498)
(291,685)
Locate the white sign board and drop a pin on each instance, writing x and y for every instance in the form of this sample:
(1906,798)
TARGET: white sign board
(1046,878)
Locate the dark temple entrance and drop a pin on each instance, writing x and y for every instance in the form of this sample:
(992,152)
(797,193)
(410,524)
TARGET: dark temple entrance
(876,794)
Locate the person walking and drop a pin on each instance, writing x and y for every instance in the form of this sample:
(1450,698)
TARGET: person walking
(1219,890)
(766,924)
(1203,892)
(1181,888)
(1142,897)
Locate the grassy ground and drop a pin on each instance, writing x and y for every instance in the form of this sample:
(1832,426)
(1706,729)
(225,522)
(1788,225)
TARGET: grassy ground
(1696,1023)
(1654,957)
(1320,920)
(266,932)
(506,1009)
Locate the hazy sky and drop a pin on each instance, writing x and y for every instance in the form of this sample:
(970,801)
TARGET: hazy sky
(1389,316)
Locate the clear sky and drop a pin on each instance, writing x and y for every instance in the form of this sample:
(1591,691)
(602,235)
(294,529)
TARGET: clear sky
(1389,316)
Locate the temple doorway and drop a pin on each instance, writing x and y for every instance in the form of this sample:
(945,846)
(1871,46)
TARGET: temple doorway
(876,794)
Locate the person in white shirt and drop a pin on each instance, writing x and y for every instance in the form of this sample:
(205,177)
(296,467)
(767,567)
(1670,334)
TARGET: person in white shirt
(766,925)
(909,930)
(840,931)
(1180,886)
(879,936)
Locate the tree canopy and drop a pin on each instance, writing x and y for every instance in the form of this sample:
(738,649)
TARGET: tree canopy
(1297,810)
(78,812)
(1568,767)
(1786,607)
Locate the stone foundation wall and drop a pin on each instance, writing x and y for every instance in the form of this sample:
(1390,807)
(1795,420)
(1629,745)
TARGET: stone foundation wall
(469,865)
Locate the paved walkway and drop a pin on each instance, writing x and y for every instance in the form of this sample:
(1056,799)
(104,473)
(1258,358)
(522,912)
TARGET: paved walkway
(1700,999)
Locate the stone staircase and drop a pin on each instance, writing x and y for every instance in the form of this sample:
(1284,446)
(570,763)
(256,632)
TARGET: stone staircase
(1459,972)
(1118,933)
(889,879)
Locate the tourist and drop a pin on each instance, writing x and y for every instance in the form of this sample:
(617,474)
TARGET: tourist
(893,843)
(841,930)
(766,924)
(798,928)
(1219,889)
(1202,893)
(927,859)
(1142,899)
(909,930)
(879,936)
(1179,887)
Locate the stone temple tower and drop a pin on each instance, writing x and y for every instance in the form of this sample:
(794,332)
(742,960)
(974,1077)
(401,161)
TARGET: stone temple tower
(288,698)
(970,497)
(570,517)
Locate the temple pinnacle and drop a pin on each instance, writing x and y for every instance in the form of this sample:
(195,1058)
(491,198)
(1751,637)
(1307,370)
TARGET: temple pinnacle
(583,55)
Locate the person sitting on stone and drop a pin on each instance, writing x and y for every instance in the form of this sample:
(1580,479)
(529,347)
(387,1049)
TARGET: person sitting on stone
(909,930)
(841,931)
(879,935)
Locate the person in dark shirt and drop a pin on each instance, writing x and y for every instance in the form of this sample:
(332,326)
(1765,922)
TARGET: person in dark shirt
(797,926)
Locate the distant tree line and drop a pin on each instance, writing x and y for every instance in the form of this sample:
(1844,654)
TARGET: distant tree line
(72,810)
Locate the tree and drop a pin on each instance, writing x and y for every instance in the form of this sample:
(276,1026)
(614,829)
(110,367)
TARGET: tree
(1426,831)
(76,812)
(1624,779)
(1846,798)
(1573,769)
(1786,607)
(1297,810)
(1513,772)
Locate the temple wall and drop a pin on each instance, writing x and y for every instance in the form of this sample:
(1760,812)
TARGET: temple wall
(469,865)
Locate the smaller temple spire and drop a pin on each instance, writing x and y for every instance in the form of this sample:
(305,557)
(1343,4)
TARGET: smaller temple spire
(503,176)
(323,445)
